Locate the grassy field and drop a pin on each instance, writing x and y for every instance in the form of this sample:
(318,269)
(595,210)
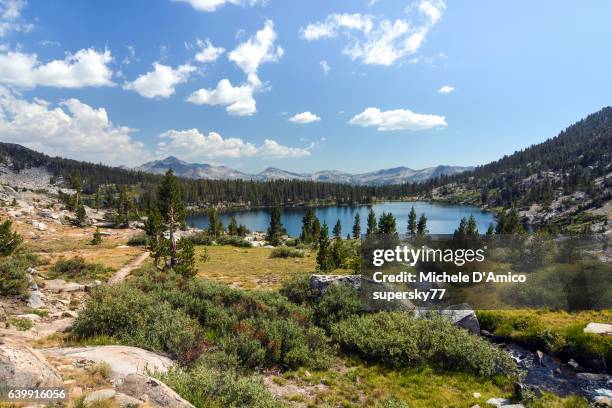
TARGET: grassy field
(251,268)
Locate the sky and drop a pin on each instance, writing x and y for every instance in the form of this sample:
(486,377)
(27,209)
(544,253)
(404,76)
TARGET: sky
(300,85)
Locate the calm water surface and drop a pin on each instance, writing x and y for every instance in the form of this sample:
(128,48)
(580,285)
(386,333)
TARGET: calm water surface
(441,218)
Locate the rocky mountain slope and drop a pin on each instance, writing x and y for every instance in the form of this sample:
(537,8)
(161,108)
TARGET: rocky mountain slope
(397,175)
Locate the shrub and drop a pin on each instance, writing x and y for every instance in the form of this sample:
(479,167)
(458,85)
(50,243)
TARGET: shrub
(201,238)
(78,268)
(207,386)
(21,323)
(286,252)
(233,240)
(138,240)
(337,303)
(298,290)
(101,368)
(400,340)
(9,240)
(13,274)
(138,319)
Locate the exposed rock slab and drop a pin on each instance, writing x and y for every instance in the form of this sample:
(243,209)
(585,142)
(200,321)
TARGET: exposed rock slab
(598,328)
(124,360)
(147,388)
(23,367)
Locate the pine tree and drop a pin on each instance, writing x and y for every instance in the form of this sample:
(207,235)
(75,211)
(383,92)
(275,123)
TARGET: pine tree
(97,237)
(387,225)
(422,225)
(77,185)
(242,230)
(9,240)
(371,231)
(357,226)
(81,215)
(154,228)
(337,231)
(308,234)
(275,230)
(324,263)
(232,228)
(125,205)
(172,210)
(490,230)
(471,227)
(185,264)
(215,226)
(412,222)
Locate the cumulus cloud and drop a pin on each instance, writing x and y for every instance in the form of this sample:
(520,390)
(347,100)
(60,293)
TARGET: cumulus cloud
(325,66)
(379,41)
(446,89)
(398,119)
(10,17)
(193,145)
(71,129)
(212,5)
(208,52)
(257,50)
(238,100)
(161,82)
(87,67)
(304,117)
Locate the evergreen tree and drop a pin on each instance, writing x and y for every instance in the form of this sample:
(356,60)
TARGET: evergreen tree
(509,223)
(97,237)
(172,210)
(77,185)
(412,222)
(276,229)
(125,204)
(215,226)
(471,227)
(232,228)
(81,215)
(9,240)
(185,264)
(422,226)
(357,226)
(242,230)
(371,231)
(490,230)
(337,231)
(154,228)
(324,262)
(387,225)
(316,230)
(308,234)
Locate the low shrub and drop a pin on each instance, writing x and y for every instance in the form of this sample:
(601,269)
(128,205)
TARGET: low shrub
(135,318)
(298,290)
(208,386)
(286,252)
(337,303)
(233,240)
(201,238)
(13,274)
(21,323)
(398,339)
(77,268)
(138,240)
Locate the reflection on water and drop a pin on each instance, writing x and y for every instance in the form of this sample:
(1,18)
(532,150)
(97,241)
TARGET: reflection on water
(441,218)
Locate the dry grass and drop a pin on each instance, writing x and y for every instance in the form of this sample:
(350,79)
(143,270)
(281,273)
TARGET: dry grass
(252,268)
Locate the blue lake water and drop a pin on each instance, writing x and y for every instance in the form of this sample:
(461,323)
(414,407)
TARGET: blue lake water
(441,218)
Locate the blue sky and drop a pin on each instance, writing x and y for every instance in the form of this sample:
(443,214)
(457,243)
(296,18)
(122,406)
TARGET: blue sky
(301,85)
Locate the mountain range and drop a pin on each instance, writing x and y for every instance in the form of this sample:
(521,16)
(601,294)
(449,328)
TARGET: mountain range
(396,175)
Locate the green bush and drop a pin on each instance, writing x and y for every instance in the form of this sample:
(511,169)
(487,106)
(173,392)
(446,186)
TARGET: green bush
(298,290)
(233,240)
(286,252)
(138,240)
(9,240)
(337,303)
(77,268)
(21,323)
(138,319)
(400,340)
(207,386)
(13,274)
(201,238)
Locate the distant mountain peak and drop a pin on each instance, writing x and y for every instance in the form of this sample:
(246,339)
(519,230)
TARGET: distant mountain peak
(395,175)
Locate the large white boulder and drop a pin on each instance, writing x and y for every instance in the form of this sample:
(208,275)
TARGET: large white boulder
(23,367)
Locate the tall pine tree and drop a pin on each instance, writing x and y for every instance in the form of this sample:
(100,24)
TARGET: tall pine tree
(357,226)
(276,229)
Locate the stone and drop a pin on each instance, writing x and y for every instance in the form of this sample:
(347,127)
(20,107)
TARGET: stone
(539,358)
(598,328)
(100,395)
(476,395)
(319,283)
(41,226)
(603,401)
(123,360)
(30,316)
(603,378)
(572,363)
(498,402)
(23,367)
(460,315)
(76,392)
(125,400)
(137,385)
(60,285)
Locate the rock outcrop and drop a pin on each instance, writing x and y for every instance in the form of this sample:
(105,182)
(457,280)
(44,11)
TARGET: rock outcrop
(23,367)
(150,389)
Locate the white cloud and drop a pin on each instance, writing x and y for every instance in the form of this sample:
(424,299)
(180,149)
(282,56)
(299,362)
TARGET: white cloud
(161,82)
(193,145)
(379,41)
(71,129)
(238,100)
(398,119)
(87,67)
(10,17)
(208,52)
(304,117)
(212,5)
(446,89)
(257,50)
(325,66)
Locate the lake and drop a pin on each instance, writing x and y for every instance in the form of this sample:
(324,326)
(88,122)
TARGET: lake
(441,218)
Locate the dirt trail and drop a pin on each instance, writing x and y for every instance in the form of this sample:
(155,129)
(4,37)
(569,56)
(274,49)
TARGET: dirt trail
(122,273)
